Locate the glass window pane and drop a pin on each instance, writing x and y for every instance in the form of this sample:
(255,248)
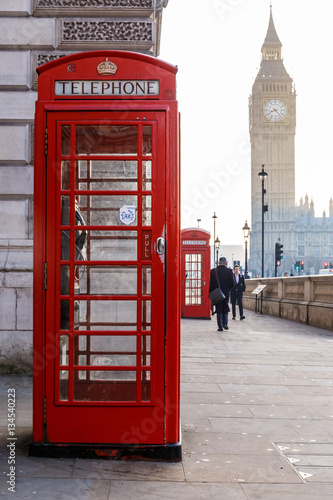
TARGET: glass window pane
(146,280)
(106,139)
(145,350)
(112,245)
(65,140)
(108,360)
(104,210)
(146,210)
(146,175)
(82,360)
(116,315)
(107,343)
(64,280)
(145,386)
(146,140)
(63,382)
(115,175)
(146,315)
(64,349)
(112,375)
(112,280)
(65,174)
(65,210)
(64,314)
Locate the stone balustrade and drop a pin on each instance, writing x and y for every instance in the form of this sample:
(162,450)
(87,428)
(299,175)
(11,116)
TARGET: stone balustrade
(305,299)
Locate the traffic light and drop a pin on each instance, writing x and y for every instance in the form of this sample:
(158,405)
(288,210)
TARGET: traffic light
(278,253)
(302,265)
(325,265)
(297,265)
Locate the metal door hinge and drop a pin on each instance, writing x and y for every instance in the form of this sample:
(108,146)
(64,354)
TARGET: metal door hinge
(46,143)
(45,275)
(44,410)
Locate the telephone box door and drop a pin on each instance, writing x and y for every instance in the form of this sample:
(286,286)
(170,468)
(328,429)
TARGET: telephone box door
(105,270)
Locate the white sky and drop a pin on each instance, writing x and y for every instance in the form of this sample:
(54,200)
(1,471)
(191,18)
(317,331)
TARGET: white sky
(216,45)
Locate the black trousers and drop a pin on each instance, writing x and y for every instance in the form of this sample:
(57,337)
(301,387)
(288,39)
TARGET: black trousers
(238,297)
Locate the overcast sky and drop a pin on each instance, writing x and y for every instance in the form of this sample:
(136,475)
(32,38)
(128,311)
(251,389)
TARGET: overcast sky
(216,45)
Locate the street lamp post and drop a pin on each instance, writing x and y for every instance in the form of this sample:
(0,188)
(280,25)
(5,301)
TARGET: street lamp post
(246,232)
(217,246)
(214,217)
(264,208)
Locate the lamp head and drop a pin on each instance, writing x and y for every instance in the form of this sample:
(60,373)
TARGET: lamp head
(246,230)
(262,174)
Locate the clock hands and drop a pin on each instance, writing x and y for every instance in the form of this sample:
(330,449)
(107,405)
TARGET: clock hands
(278,112)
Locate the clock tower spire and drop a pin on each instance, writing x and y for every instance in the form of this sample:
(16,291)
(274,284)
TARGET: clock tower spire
(272,122)
(271,48)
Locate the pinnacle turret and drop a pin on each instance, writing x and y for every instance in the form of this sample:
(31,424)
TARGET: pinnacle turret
(272,40)
(272,66)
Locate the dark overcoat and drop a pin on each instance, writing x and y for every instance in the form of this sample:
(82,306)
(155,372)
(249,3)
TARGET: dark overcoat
(226,283)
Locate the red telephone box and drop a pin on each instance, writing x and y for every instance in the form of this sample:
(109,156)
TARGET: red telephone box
(195,273)
(106,285)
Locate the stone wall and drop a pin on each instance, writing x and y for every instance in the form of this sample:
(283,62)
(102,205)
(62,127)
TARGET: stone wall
(306,299)
(33,32)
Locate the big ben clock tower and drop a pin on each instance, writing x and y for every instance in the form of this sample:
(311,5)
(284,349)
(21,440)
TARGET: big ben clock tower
(272,116)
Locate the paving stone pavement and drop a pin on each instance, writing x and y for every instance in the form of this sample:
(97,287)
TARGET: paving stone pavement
(257,423)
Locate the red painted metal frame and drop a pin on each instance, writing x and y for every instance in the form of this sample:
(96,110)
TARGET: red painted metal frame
(193,235)
(131,66)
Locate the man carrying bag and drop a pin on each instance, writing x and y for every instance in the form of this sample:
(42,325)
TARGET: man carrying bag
(221,277)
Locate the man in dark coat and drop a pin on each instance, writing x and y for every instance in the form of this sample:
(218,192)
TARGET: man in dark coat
(226,283)
(237,293)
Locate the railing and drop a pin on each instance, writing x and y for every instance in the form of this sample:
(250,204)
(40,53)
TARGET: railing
(305,299)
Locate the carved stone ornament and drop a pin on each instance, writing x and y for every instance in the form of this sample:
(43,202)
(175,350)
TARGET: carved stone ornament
(88,8)
(107,68)
(41,57)
(107,31)
(65,4)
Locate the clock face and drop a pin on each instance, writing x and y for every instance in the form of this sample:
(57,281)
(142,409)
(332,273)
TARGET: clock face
(275,110)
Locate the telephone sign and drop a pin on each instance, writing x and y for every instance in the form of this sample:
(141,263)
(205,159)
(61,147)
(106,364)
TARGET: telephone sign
(107,88)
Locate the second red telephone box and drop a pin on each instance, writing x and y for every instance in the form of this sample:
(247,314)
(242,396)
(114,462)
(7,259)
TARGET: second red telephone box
(106,286)
(195,273)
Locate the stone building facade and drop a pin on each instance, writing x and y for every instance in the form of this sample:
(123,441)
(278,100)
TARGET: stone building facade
(33,32)
(313,236)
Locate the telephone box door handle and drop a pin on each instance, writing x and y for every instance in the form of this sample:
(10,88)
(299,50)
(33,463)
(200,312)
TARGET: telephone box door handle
(160,246)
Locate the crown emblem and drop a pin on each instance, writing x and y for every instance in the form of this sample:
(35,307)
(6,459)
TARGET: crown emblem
(107,68)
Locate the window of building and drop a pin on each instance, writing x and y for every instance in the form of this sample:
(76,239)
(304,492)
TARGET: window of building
(300,251)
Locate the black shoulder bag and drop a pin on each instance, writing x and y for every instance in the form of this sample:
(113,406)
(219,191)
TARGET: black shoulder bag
(216,296)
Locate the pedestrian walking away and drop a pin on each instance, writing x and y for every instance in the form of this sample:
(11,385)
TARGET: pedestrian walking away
(237,293)
(225,281)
